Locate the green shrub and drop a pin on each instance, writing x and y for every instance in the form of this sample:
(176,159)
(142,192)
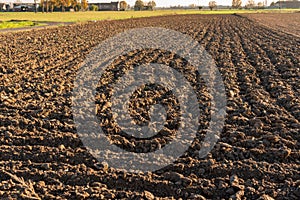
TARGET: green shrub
(94,8)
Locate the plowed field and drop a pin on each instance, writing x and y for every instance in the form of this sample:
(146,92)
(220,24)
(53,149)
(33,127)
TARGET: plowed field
(257,156)
(287,22)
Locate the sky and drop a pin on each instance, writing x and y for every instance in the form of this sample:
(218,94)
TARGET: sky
(164,3)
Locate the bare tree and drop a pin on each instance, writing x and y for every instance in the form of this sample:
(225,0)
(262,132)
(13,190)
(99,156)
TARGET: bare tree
(260,4)
(212,5)
(192,6)
(151,4)
(236,4)
(35,6)
(250,4)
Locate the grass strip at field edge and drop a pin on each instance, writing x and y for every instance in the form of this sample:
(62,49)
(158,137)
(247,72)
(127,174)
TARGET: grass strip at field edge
(19,24)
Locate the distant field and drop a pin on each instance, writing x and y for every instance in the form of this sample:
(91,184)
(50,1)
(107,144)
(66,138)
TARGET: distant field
(111,15)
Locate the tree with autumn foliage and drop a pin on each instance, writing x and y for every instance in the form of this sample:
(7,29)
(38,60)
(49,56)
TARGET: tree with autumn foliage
(84,5)
(52,4)
(64,4)
(123,5)
(75,5)
(139,5)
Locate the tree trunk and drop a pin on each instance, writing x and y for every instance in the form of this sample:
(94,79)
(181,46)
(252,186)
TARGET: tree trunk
(35,7)
(47,6)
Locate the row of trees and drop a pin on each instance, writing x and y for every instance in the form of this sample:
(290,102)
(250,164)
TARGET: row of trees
(236,4)
(140,5)
(249,4)
(50,5)
(252,4)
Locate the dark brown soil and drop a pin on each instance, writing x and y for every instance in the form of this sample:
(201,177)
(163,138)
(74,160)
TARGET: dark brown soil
(257,156)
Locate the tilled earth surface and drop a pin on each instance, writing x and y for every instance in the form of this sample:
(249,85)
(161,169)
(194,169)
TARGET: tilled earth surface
(257,155)
(288,22)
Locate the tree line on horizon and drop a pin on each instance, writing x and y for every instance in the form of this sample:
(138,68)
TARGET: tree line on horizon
(237,4)
(82,5)
(50,5)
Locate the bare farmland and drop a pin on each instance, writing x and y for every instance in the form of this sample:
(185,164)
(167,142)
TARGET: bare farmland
(257,156)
